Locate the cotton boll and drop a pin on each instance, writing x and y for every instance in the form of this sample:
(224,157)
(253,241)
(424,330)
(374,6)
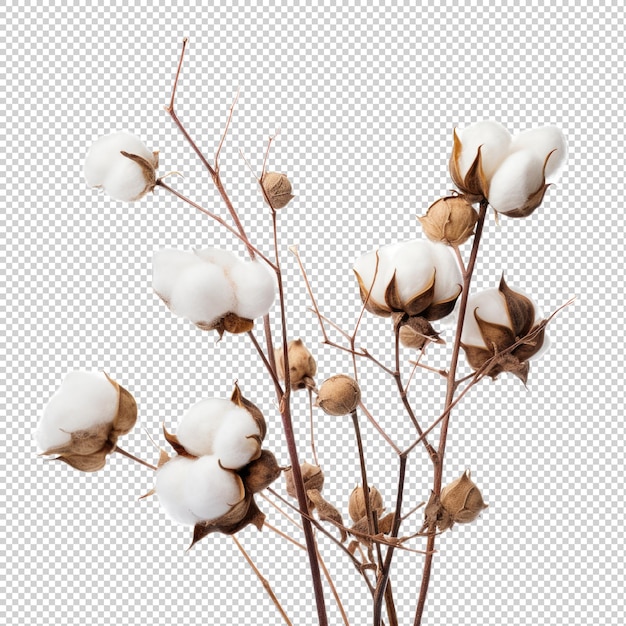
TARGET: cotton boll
(366,269)
(105,152)
(210,491)
(254,287)
(541,142)
(448,276)
(415,268)
(199,426)
(237,442)
(126,180)
(167,268)
(490,306)
(516,180)
(223,258)
(203,294)
(172,482)
(495,140)
(84,400)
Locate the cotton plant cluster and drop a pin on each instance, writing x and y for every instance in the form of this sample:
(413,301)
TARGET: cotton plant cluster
(216,464)
(213,288)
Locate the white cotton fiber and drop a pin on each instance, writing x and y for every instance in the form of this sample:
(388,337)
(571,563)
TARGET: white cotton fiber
(234,442)
(167,267)
(172,480)
(448,276)
(519,176)
(198,427)
(105,152)
(224,258)
(254,286)
(415,268)
(210,491)
(495,140)
(541,142)
(84,400)
(203,294)
(490,306)
(125,180)
(365,267)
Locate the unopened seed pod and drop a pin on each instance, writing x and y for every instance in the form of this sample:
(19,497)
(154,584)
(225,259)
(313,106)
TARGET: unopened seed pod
(462,500)
(356,504)
(339,395)
(277,189)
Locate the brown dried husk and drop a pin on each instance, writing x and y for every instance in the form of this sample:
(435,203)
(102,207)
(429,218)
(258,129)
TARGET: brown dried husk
(339,395)
(277,188)
(449,220)
(473,185)
(302,365)
(416,332)
(462,499)
(148,169)
(238,398)
(312,477)
(356,503)
(326,511)
(261,472)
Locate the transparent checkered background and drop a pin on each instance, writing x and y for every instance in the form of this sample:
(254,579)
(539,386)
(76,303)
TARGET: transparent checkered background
(365,97)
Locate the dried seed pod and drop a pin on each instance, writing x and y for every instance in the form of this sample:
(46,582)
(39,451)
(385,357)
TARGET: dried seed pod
(461,500)
(416,332)
(277,189)
(326,511)
(302,365)
(261,473)
(450,220)
(339,395)
(312,476)
(356,504)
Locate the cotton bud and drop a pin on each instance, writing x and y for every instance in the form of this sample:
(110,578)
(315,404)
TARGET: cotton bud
(302,365)
(417,278)
(121,164)
(312,476)
(213,288)
(357,507)
(277,189)
(83,420)
(450,220)
(461,501)
(511,172)
(495,320)
(339,395)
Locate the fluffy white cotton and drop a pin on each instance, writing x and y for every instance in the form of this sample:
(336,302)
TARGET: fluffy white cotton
(210,491)
(170,487)
(541,142)
(414,263)
(203,294)
(237,440)
(224,258)
(254,286)
(105,153)
(196,490)
(490,306)
(448,277)
(375,280)
(83,400)
(221,428)
(495,140)
(125,180)
(517,178)
(167,266)
(205,285)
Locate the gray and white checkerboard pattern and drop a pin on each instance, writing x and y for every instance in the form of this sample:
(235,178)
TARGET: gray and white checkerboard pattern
(365,96)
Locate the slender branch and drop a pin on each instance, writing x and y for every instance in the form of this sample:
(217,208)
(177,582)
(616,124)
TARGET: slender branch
(271,370)
(217,218)
(312,428)
(223,137)
(451,386)
(128,455)
(264,581)
(333,589)
(284,535)
(378,427)
(383,578)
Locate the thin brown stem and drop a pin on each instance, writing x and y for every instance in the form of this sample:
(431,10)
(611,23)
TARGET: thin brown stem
(268,365)
(223,137)
(217,218)
(379,428)
(284,535)
(264,581)
(128,455)
(449,400)
(312,428)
